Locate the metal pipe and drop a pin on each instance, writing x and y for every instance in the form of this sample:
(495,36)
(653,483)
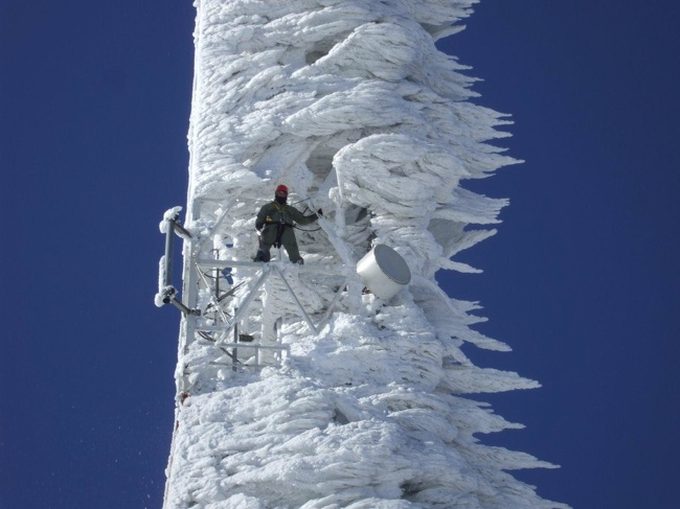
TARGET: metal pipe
(336,297)
(168,253)
(297,301)
(184,309)
(180,230)
(211,263)
(285,348)
(250,296)
(235,350)
(223,264)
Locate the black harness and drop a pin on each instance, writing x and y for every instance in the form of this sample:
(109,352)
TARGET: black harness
(280,227)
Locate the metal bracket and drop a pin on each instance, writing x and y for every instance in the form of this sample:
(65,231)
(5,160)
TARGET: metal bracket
(167,294)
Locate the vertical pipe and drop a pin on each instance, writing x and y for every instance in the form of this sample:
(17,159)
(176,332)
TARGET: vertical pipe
(234,359)
(169,231)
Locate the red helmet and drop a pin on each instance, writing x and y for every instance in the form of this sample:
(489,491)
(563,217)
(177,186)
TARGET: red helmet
(281,189)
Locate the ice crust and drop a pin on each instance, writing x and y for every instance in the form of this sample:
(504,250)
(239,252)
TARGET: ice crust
(350,104)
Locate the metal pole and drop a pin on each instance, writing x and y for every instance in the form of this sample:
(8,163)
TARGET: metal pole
(251,295)
(297,301)
(331,306)
(180,230)
(168,253)
(184,309)
(217,279)
(235,350)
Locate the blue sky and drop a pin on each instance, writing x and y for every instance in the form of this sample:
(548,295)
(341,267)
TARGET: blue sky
(581,279)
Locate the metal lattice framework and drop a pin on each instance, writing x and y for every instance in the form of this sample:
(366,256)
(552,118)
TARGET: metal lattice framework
(227,297)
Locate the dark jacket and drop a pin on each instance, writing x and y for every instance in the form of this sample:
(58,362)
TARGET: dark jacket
(276,213)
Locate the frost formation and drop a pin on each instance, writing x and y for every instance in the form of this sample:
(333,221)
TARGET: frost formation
(350,104)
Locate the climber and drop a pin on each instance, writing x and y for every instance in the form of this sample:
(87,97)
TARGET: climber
(275,223)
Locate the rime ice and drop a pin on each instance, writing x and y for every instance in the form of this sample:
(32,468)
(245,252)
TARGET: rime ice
(350,104)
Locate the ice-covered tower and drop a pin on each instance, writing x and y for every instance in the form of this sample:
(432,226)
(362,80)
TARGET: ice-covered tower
(304,385)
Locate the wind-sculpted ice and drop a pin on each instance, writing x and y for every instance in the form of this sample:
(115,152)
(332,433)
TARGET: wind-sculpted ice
(350,104)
